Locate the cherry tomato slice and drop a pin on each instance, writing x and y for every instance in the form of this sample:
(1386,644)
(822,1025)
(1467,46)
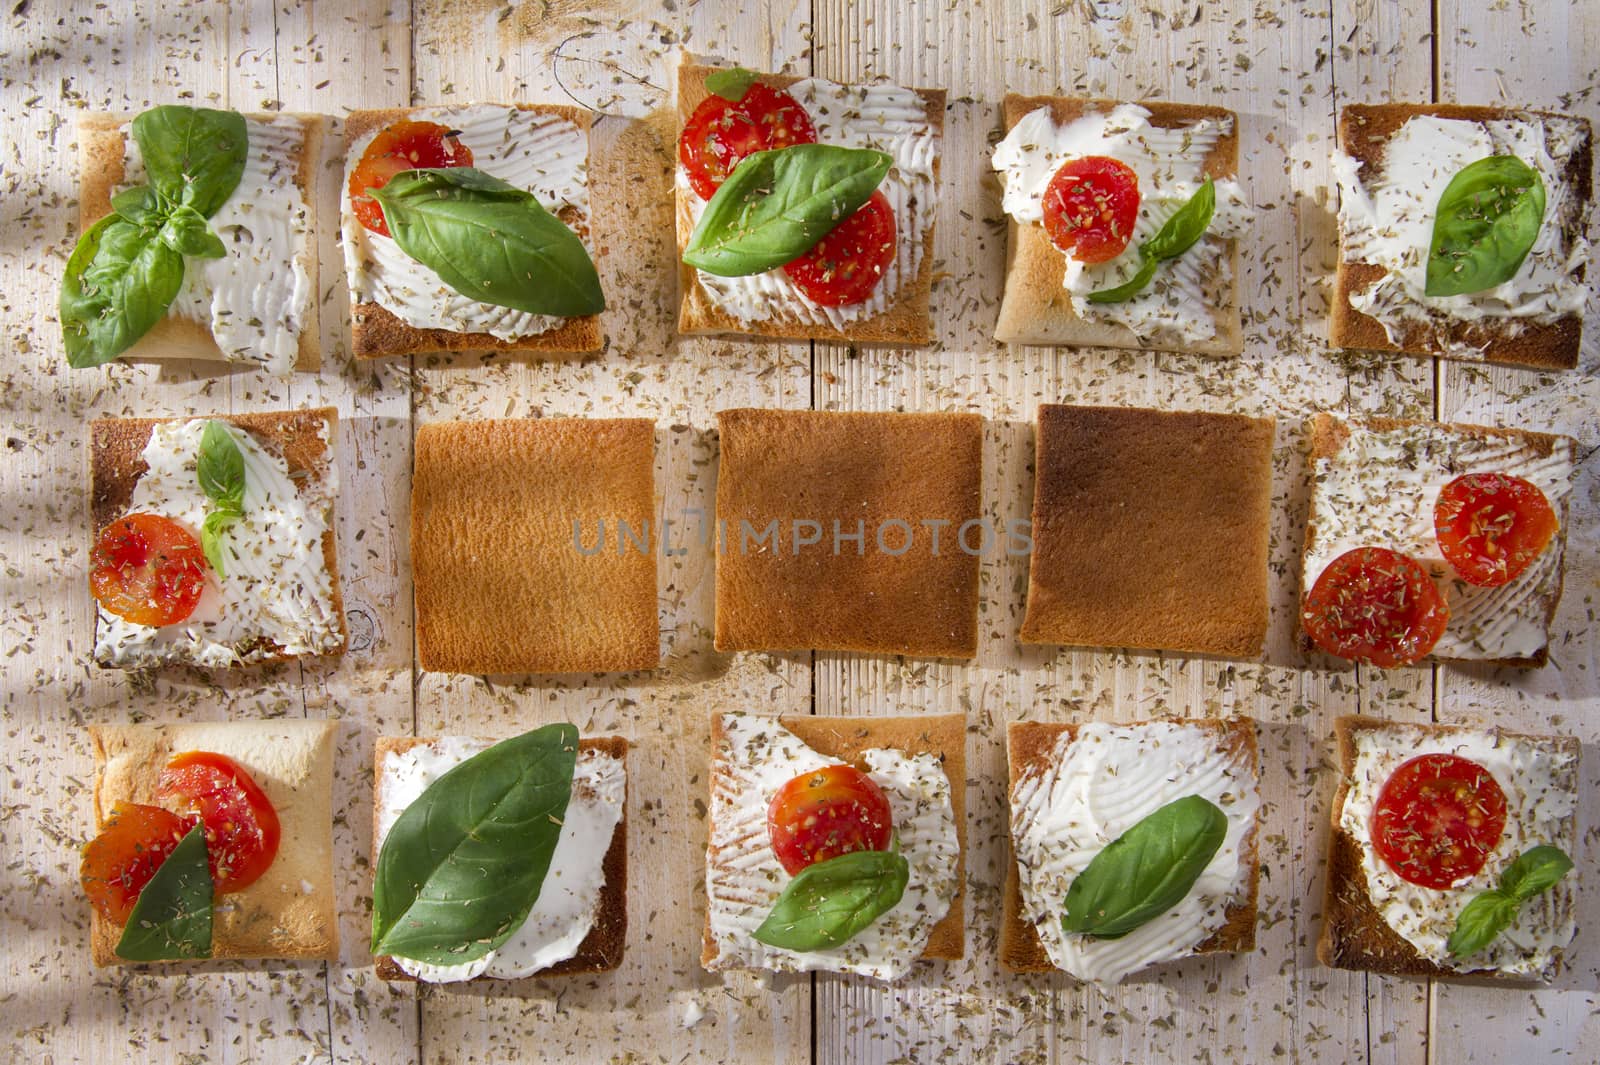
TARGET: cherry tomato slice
(1090,208)
(823,814)
(405,145)
(148,569)
(1437,819)
(847,264)
(241,826)
(1375,606)
(721,132)
(1491,526)
(120,861)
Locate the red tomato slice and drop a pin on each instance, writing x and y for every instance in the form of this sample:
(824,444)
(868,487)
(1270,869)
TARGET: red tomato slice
(241,825)
(1376,606)
(1090,208)
(148,569)
(847,264)
(406,145)
(1491,526)
(721,132)
(1437,819)
(120,861)
(832,811)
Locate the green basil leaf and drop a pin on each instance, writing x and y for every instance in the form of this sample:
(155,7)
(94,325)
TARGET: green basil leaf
(118,284)
(212,533)
(731,84)
(139,205)
(490,241)
(171,919)
(1535,871)
(193,155)
(463,865)
(1147,870)
(827,903)
(220,466)
(1177,235)
(1488,219)
(1483,918)
(186,232)
(776,206)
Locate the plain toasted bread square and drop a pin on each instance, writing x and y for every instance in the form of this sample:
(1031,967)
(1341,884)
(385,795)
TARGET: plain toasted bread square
(942,735)
(864,472)
(906,321)
(498,509)
(1150,530)
(102,168)
(1364,131)
(1354,933)
(376,332)
(602,949)
(1327,435)
(305,440)
(1036,307)
(1030,747)
(290,912)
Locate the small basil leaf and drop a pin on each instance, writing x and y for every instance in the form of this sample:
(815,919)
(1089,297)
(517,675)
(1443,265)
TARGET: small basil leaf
(1147,870)
(212,533)
(1177,235)
(220,467)
(731,84)
(118,284)
(139,205)
(193,155)
(186,233)
(829,902)
(1535,871)
(171,920)
(1487,221)
(464,863)
(490,241)
(776,206)
(1480,921)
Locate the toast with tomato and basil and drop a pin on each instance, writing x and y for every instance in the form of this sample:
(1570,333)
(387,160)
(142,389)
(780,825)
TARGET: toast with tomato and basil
(214,840)
(1462,232)
(805,207)
(470,227)
(1453,851)
(213,540)
(499,860)
(1123,222)
(199,239)
(1429,540)
(836,844)
(1132,845)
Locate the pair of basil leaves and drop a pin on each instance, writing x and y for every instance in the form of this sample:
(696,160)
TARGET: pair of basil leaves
(1177,235)
(128,267)
(1488,219)
(220,467)
(1491,912)
(463,865)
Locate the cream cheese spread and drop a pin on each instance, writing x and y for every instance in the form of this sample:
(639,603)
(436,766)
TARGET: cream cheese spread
(744,879)
(568,900)
(1094,789)
(1379,490)
(1180,303)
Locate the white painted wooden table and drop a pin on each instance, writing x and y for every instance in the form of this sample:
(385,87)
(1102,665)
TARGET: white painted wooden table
(1285,67)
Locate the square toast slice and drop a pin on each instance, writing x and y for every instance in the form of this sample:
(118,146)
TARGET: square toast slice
(1364,131)
(290,912)
(906,321)
(1037,309)
(494,508)
(376,332)
(1150,530)
(602,949)
(1030,746)
(885,475)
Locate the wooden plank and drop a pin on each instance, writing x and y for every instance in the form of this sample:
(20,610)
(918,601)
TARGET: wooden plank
(1538,57)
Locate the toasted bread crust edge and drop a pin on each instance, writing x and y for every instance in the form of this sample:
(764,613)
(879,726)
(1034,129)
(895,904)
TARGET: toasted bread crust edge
(1030,745)
(602,949)
(1364,130)
(1327,434)
(907,321)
